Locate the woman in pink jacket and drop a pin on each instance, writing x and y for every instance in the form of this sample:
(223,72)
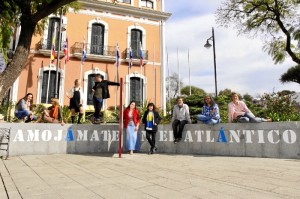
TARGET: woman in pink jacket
(238,110)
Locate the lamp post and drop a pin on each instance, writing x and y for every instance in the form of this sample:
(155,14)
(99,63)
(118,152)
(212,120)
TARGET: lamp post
(58,54)
(208,45)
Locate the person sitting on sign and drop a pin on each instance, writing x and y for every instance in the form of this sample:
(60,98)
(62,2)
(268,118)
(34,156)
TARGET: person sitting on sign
(23,111)
(210,112)
(239,112)
(53,114)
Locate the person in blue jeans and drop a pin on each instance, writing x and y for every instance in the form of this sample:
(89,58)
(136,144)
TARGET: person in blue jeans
(23,111)
(210,112)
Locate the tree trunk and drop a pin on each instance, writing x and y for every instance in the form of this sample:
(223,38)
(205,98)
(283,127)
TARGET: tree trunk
(15,67)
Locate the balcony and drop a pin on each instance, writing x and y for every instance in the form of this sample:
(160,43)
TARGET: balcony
(44,47)
(135,56)
(94,52)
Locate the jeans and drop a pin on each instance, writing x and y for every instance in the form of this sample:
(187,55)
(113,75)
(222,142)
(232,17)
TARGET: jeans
(178,132)
(21,114)
(207,119)
(98,103)
(249,118)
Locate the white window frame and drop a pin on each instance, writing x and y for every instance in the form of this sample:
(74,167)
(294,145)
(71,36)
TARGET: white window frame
(90,24)
(127,85)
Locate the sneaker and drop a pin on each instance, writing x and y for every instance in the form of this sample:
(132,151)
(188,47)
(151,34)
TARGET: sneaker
(175,141)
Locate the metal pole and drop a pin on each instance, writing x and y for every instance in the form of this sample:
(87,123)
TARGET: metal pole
(189,71)
(215,65)
(121,119)
(178,74)
(58,52)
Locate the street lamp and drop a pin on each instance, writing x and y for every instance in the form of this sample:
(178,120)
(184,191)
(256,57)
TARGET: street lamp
(208,45)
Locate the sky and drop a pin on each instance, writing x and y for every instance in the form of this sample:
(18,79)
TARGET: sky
(241,63)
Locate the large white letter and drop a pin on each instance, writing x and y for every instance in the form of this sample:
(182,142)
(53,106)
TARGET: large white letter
(46,135)
(95,136)
(33,136)
(82,136)
(163,136)
(199,135)
(19,136)
(271,138)
(248,134)
(286,136)
(208,138)
(261,136)
(188,136)
(59,135)
(235,135)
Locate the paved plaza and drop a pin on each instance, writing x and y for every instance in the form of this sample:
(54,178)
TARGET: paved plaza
(147,176)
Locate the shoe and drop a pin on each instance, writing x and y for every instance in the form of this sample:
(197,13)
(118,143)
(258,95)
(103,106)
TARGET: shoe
(175,141)
(155,149)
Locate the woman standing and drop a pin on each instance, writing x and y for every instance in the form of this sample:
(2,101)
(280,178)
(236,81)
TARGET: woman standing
(131,123)
(151,119)
(210,112)
(76,100)
(23,108)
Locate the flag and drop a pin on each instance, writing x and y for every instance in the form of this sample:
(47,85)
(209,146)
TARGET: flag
(130,58)
(117,55)
(83,53)
(52,55)
(66,51)
(141,54)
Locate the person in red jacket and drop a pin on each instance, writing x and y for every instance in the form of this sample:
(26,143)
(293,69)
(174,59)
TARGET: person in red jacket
(131,123)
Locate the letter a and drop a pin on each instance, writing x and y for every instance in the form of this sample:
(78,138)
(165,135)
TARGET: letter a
(69,136)
(221,136)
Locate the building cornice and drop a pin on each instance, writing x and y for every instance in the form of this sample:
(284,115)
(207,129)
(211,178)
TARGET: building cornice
(124,9)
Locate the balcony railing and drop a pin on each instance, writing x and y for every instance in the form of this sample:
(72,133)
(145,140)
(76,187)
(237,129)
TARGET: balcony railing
(93,49)
(135,54)
(46,44)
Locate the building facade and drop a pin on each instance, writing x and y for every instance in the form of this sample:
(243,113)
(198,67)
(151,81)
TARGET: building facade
(92,36)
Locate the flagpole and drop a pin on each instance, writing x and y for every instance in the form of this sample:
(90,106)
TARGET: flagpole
(52,48)
(189,71)
(141,67)
(154,73)
(169,79)
(178,74)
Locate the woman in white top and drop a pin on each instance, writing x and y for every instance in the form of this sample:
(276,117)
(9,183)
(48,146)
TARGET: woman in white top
(75,95)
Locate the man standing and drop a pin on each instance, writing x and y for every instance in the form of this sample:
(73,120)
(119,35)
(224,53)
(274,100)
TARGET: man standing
(181,116)
(100,92)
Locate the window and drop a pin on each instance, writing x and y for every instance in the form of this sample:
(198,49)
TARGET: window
(136,90)
(91,83)
(48,86)
(136,41)
(52,30)
(97,39)
(147,3)
(125,1)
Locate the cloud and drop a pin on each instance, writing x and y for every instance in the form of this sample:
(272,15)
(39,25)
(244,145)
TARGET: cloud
(242,65)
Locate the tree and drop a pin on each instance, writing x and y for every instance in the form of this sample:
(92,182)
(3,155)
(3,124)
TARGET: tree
(194,90)
(26,13)
(292,75)
(275,18)
(173,82)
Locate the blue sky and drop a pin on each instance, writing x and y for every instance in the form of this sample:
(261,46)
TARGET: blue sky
(242,65)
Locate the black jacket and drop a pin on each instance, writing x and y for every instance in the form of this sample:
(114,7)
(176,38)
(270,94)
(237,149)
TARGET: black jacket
(104,84)
(157,119)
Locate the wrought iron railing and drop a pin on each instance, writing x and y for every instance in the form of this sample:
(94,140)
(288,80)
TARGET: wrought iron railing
(135,53)
(46,44)
(93,49)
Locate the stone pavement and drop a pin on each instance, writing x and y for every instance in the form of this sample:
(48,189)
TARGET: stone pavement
(147,176)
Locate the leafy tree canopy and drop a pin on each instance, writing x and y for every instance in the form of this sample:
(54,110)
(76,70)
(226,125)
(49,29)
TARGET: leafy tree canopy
(277,20)
(194,91)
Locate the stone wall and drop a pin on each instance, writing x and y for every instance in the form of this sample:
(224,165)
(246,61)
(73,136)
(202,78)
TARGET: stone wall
(272,139)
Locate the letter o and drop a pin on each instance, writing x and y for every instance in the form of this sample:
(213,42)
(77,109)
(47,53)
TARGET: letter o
(292,134)
(46,135)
